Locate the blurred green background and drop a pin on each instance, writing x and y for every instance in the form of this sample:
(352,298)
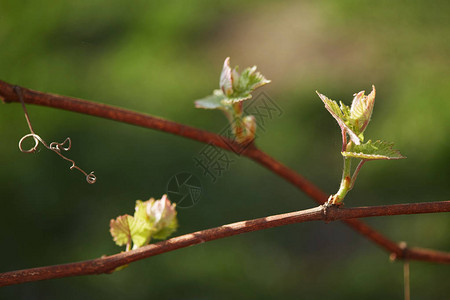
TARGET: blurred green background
(157,57)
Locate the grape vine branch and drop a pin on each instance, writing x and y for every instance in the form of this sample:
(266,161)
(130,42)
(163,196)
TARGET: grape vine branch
(8,94)
(108,264)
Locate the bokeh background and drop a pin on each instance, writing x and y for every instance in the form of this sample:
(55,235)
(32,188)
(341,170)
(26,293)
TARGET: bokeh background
(158,57)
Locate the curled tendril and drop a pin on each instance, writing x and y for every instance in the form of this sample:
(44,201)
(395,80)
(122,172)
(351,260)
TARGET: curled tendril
(36,138)
(57,148)
(54,146)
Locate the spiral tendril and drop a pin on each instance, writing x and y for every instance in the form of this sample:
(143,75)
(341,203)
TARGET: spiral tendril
(54,146)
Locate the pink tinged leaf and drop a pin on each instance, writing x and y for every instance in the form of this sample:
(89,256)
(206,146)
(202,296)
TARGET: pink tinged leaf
(161,211)
(120,230)
(156,210)
(169,210)
(141,209)
(168,222)
(361,109)
(226,78)
(357,98)
(338,115)
(370,103)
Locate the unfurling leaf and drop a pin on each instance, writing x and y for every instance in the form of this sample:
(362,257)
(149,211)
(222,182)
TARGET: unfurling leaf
(152,219)
(164,216)
(140,210)
(226,78)
(361,109)
(244,84)
(234,87)
(167,230)
(373,151)
(353,120)
(342,116)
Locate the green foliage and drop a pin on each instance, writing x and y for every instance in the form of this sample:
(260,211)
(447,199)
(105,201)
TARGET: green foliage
(234,89)
(353,121)
(237,87)
(152,219)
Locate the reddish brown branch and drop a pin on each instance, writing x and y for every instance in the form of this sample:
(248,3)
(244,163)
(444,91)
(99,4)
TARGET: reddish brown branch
(147,121)
(143,120)
(112,113)
(109,263)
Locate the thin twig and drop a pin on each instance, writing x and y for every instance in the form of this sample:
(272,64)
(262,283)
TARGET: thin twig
(107,264)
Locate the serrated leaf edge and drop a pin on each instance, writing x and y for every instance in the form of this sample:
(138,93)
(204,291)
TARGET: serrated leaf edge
(370,156)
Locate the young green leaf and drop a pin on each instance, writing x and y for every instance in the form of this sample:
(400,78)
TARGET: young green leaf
(246,83)
(234,87)
(361,109)
(352,120)
(374,151)
(163,213)
(126,228)
(166,231)
(140,231)
(140,210)
(342,116)
(141,227)
(120,229)
(214,101)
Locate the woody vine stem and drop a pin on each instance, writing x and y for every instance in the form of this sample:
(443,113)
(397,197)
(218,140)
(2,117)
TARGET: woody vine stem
(8,94)
(107,264)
